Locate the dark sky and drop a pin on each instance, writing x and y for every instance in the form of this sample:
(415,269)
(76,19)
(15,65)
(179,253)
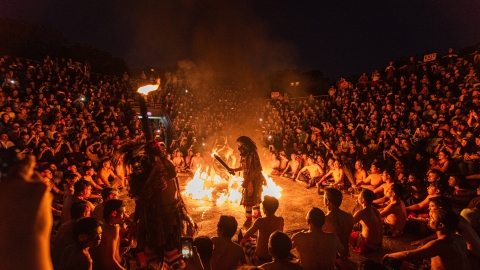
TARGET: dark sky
(249,36)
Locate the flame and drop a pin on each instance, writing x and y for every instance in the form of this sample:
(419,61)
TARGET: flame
(214,189)
(147,88)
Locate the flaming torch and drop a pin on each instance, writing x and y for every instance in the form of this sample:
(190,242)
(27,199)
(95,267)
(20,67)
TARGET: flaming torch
(219,159)
(143,91)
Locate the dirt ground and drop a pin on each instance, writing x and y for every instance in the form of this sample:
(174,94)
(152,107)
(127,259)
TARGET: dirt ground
(294,204)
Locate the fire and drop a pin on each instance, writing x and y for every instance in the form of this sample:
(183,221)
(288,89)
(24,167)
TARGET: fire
(215,189)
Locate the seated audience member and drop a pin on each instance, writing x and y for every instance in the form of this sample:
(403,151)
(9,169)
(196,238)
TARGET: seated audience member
(459,192)
(337,174)
(204,247)
(416,190)
(89,173)
(108,193)
(374,179)
(105,173)
(464,229)
(359,175)
(82,191)
(337,221)
(387,181)
(196,163)
(226,254)
(315,241)
(88,234)
(448,251)
(293,166)
(257,251)
(436,188)
(64,236)
(371,235)
(107,254)
(472,212)
(394,214)
(279,246)
(310,174)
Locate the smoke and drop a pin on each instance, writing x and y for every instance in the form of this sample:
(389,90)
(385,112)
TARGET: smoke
(225,38)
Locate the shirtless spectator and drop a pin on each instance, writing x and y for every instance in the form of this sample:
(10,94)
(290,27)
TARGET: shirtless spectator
(360,174)
(82,191)
(310,174)
(89,173)
(257,251)
(374,179)
(292,168)
(105,173)
(107,255)
(435,189)
(196,163)
(310,244)
(448,251)
(394,214)
(226,254)
(337,221)
(88,234)
(179,162)
(64,236)
(283,161)
(337,174)
(464,229)
(108,193)
(371,235)
(279,246)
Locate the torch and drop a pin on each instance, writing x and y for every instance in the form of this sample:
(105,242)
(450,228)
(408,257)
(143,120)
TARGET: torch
(142,92)
(223,164)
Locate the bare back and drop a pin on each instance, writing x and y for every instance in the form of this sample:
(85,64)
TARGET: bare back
(266,227)
(311,244)
(226,254)
(372,228)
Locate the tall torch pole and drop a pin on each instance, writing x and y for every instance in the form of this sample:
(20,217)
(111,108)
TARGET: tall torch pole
(142,93)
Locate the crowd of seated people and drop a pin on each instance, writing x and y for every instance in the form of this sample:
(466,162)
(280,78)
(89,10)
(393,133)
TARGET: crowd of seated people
(401,141)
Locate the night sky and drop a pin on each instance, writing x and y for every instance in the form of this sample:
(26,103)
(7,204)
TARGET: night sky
(250,36)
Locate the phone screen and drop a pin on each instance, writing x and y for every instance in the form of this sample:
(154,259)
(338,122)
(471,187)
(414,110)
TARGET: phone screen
(187,247)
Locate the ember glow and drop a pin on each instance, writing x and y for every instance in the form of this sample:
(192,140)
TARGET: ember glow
(215,189)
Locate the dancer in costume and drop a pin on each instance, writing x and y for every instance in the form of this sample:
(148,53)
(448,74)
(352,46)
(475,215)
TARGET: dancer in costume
(253,179)
(160,212)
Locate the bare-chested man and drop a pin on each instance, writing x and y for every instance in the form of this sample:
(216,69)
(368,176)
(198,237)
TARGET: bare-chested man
(258,252)
(337,221)
(464,229)
(107,254)
(197,162)
(108,193)
(283,161)
(88,234)
(373,180)
(310,174)
(292,167)
(360,174)
(315,241)
(105,173)
(82,191)
(371,235)
(394,214)
(448,251)
(279,246)
(226,254)
(89,173)
(435,189)
(336,173)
